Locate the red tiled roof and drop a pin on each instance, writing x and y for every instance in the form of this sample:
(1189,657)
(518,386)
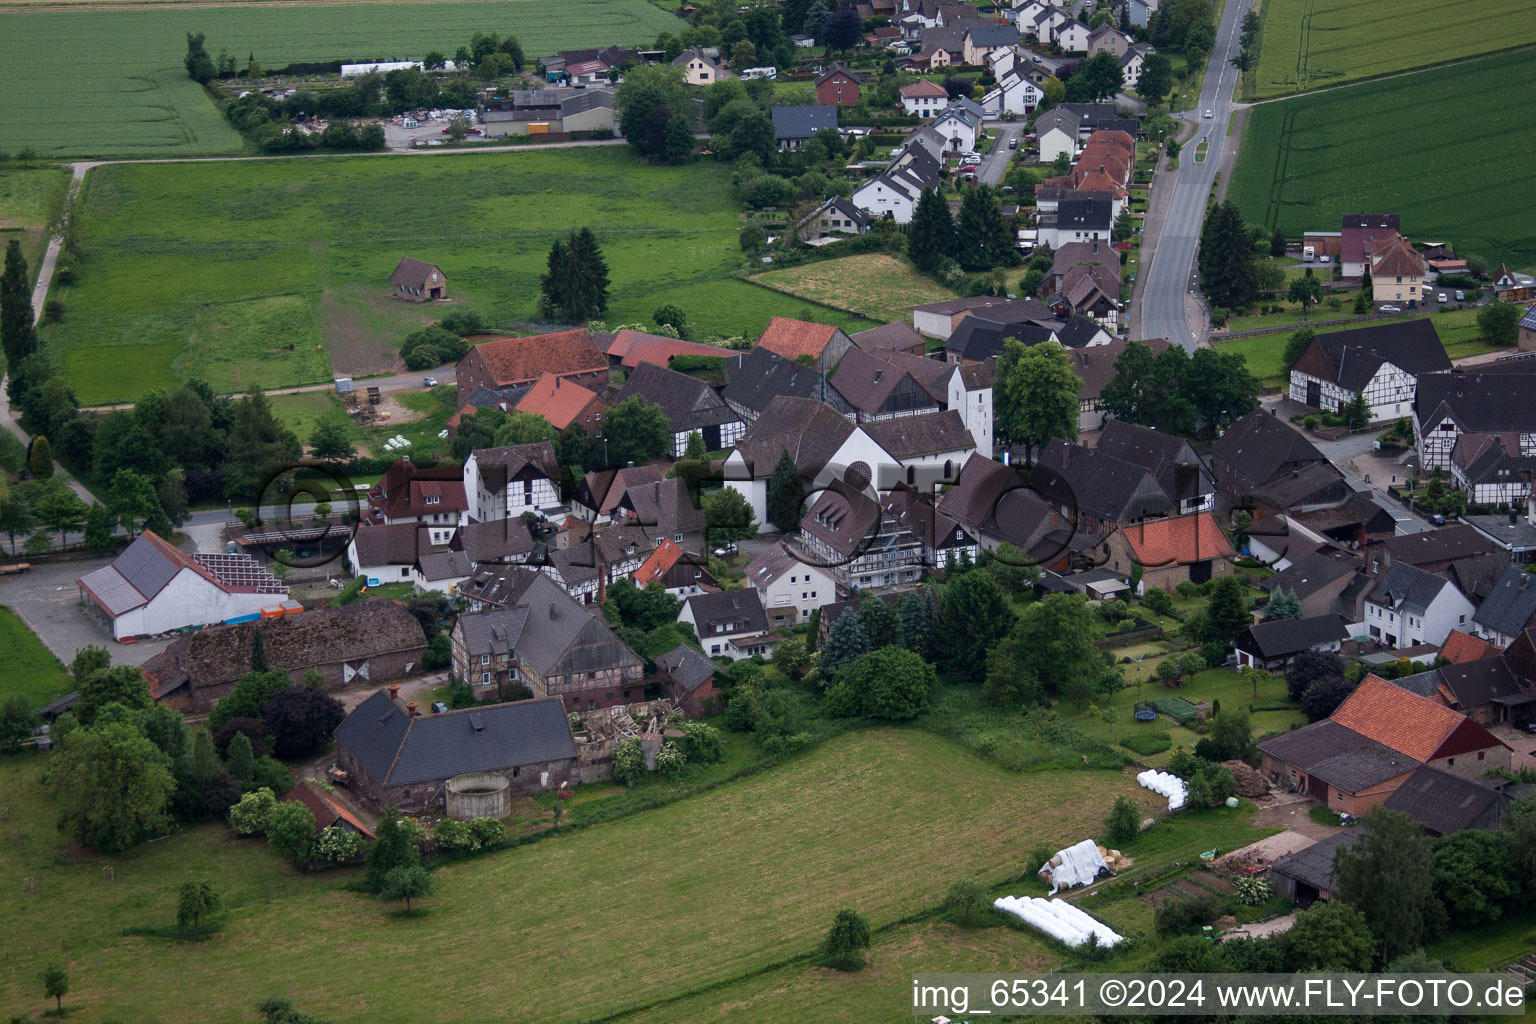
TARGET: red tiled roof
(468,409)
(918,90)
(1417,726)
(559,401)
(1177,541)
(794,338)
(513,360)
(1098,179)
(325,807)
(633,348)
(1461,647)
(659,563)
(1112,137)
(1394,257)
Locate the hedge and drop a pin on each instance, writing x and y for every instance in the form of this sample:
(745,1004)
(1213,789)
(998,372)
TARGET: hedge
(1148,743)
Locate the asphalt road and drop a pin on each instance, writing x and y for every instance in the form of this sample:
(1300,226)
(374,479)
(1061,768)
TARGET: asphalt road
(994,165)
(1170,281)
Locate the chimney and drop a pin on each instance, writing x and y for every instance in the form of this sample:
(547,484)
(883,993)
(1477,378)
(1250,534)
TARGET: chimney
(394,692)
(410,709)
(552,609)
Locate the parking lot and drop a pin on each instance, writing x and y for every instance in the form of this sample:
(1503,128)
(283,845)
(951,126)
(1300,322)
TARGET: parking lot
(48,602)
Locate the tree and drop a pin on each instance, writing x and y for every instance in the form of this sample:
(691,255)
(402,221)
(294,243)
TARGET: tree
(1331,936)
(248,696)
(1227,274)
(917,623)
(40,458)
(1386,874)
(1014,570)
(1231,734)
(1156,78)
(1357,412)
(1227,613)
(846,642)
(1305,290)
(982,238)
(575,289)
(258,444)
(123,684)
(241,757)
(842,30)
(1124,821)
(1036,394)
(931,235)
(331,442)
(59,508)
(637,432)
(843,948)
(1310,667)
(301,720)
(628,762)
(197,901)
(1124,227)
(55,985)
(1283,604)
(1054,641)
(1519,834)
(1276,240)
(881,624)
(16,517)
(648,100)
(1296,344)
(967,905)
(406,883)
(252,812)
(200,66)
(786,494)
(525,428)
(889,683)
(728,517)
(291,831)
(1472,875)
(18,721)
(111,784)
(973,615)
(1497,324)
(1323,698)
(1099,77)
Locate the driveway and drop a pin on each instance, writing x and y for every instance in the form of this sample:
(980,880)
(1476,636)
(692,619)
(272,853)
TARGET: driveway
(47,601)
(1166,310)
(994,165)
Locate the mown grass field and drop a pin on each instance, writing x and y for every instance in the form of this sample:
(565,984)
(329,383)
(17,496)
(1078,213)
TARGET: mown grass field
(274,273)
(30,668)
(1310,44)
(874,284)
(627,912)
(110,82)
(30,201)
(1454,168)
(1266,352)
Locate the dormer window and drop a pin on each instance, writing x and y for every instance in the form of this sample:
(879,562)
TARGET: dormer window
(433,499)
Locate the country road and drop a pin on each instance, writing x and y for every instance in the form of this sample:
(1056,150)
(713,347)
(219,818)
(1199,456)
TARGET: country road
(1168,302)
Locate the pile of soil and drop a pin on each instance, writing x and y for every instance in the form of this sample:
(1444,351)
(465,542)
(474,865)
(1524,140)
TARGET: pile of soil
(1249,782)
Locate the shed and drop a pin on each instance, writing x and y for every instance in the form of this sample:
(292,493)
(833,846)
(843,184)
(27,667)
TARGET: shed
(1307,875)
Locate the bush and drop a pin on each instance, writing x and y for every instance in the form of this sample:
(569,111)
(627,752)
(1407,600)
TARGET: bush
(670,761)
(703,742)
(1158,601)
(253,812)
(1251,892)
(1147,743)
(1188,590)
(1124,821)
(966,905)
(454,836)
(339,845)
(487,831)
(1179,916)
(628,762)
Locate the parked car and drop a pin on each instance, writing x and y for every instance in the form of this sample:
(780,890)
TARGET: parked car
(1440,297)
(967,169)
(1013,143)
(438,707)
(430,382)
(1437,520)
(1324,258)
(1391,309)
(1461,296)
(1208,115)
(729,549)
(1529,725)
(971,158)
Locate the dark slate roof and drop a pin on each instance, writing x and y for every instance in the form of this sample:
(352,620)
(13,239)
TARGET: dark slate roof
(1430,546)
(493,632)
(687,667)
(499,586)
(976,338)
(802,122)
(500,540)
(929,433)
(811,432)
(764,375)
(1483,401)
(1351,358)
(1511,604)
(499,465)
(1260,445)
(1475,683)
(1110,488)
(1084,214)
(1408,587)
(397,544)
(1338,755)
(1279,638)
(690,404)
(1316,484)
(664,507)
(1425,684)
(1165,456)
(844,518)
(397,750)
(1477,575)
(1078,332)
(898,335)
(1314,865)
(729,606)
(412,273)
(1444,803)
(1309,575)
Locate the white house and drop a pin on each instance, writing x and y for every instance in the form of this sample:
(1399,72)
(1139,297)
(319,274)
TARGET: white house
(888,195)
(1383,361)
(1484,468)
(730,624)
(1071,36)
(1410,607)
(924,99)
(959,127)
(1013,94)
(791,588)
(1131,63)
(1056,132)
(502,483)
(154,587)
(970,394)
(1446,405)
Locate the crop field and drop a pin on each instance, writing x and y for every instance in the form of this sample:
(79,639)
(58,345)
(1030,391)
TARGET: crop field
(30,669)
(877,285)
(1310,44)
(627,912)
(274,273)
(30,201)
(121,89)
(1413,145)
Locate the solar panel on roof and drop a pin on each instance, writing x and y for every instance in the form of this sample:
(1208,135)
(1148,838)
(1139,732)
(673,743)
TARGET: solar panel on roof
(146,568)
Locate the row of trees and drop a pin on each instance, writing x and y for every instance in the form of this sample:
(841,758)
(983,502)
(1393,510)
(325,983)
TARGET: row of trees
(1177,393)
(979,241)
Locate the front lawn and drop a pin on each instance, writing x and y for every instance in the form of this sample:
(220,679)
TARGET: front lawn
(30,668)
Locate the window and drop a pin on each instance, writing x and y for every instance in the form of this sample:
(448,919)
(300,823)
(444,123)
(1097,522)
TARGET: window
(485,659)
(1479,755)
(485,677)
(405,571)
(1450,762)
(515,772)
